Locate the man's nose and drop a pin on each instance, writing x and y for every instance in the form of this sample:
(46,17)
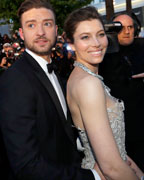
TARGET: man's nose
(40,30)
(126,29)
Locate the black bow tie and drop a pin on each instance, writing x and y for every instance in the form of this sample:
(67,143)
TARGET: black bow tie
(51,67)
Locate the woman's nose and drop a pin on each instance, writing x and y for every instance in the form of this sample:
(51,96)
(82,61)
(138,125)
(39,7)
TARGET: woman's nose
(95,42)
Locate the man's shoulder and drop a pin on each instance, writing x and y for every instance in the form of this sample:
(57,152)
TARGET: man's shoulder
(17,70)
(138,41)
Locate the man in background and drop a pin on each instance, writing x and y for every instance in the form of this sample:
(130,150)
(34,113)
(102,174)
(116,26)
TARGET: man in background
(123,72)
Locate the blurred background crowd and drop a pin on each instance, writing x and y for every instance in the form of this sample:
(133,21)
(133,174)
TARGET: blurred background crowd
(12,47)
(10,50)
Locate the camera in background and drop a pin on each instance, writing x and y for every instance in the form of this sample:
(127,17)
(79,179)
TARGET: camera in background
(112,29)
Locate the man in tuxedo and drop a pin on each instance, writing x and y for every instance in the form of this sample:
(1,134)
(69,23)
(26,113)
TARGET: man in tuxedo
(34,119)
(123,73)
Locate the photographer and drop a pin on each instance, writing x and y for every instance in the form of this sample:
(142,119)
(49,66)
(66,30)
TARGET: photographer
(62,58)
(18,49)
(9,57)
(57,51)
(118,70)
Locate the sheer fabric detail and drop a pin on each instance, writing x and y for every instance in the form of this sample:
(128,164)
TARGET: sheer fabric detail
(116,119)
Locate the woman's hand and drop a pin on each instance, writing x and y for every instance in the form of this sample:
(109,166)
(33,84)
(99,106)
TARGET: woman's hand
(135,168)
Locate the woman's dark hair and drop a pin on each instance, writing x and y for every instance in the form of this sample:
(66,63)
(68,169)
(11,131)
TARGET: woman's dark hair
(29,4)
(77,16)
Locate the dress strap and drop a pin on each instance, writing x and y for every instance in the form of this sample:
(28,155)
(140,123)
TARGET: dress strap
(78,64)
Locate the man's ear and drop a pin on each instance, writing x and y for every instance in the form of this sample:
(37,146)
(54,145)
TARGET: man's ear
(56,30)
(21,33)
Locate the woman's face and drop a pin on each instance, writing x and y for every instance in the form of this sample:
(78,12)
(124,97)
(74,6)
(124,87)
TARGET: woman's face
(90,42)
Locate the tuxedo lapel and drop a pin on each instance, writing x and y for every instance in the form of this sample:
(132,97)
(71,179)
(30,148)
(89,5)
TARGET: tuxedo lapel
(66,122)
(40,74)
(60,82)
(69,120)
(47,84)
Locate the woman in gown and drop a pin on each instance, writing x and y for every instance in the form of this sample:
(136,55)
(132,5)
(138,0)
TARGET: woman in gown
(97,115)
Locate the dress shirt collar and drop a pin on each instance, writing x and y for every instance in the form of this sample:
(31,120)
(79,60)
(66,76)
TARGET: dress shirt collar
(41,61)
(52,77)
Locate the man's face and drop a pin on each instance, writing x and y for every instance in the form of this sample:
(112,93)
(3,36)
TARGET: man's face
(126,35)
(9,51)
(38,31)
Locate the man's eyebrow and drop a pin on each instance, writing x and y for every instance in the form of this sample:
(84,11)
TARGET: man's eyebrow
(33,20)
(48,19)
(129,25)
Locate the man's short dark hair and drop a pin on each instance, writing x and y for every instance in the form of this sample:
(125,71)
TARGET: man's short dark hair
(30,4)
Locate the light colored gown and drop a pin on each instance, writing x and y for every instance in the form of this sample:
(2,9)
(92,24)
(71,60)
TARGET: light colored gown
(116,118)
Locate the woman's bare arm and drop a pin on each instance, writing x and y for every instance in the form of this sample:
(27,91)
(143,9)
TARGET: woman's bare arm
(92,105)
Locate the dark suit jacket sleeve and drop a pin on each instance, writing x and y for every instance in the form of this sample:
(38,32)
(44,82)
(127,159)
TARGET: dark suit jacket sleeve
(18,123)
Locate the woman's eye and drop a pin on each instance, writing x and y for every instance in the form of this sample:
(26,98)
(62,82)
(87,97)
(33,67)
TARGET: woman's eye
(102,34)
(84,37)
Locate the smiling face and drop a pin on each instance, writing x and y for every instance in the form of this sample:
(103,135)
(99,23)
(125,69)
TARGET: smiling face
(38,31)
(126,35)
(90,42)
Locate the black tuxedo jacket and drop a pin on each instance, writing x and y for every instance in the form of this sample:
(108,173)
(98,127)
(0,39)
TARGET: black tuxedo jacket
(117,69)
(40,142)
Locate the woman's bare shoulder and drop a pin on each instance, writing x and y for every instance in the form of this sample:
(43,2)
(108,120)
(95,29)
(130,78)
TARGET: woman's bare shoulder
(83,84)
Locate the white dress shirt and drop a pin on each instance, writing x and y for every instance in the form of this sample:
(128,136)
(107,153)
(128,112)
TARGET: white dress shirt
(53,79)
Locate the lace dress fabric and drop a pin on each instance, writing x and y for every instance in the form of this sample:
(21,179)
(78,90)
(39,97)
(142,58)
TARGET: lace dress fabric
(116,118)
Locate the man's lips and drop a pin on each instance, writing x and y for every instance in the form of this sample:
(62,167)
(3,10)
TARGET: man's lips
(126,37)
(41,41)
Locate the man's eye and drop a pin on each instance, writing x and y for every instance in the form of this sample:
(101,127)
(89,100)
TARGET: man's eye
(48,24)
(130,27)
(31,25)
